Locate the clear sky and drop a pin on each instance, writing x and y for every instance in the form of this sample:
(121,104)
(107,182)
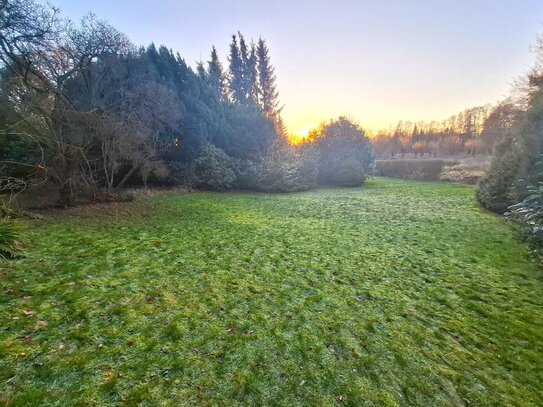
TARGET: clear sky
(377,61)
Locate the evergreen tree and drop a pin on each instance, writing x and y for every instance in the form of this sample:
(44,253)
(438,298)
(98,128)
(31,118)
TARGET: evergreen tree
(243,71)
(202,74)
(267,88)
(252,75)
(216,75)
(346,154)
(245,68)
(135,113)
(152,53)
(236,73)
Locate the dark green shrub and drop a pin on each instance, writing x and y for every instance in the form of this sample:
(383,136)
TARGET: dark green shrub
(529,212)
(495,191)
(283,169)
(343,172)
(213,169)
(246,172)
(9,235)
(346,156)
(287,170)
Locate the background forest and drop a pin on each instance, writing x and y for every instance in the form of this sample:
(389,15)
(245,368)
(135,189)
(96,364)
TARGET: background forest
(85,113)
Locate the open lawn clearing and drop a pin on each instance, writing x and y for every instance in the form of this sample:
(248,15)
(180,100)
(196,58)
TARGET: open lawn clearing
(398,293)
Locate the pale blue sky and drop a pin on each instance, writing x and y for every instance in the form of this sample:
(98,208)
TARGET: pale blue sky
(376,61)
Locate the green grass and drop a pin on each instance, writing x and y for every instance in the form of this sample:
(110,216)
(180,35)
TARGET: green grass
(399,293)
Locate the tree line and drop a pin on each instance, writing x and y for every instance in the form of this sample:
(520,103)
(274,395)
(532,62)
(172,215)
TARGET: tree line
(473,131)
(82,108)
(85,113)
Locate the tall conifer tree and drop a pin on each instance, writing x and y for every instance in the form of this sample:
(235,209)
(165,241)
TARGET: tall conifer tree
(201,71)
(244,55)
(267,88)
(243,71)
(252,75)
(216,75)
(236,73)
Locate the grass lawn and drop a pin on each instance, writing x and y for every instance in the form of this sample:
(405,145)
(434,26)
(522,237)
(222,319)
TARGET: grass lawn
(399,293)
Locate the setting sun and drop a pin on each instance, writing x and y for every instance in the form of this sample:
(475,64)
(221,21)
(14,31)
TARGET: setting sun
(299,136)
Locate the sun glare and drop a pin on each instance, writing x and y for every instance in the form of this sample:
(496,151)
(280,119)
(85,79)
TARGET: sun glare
(299,136)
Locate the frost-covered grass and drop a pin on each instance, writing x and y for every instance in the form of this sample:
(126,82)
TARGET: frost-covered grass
(398,293)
